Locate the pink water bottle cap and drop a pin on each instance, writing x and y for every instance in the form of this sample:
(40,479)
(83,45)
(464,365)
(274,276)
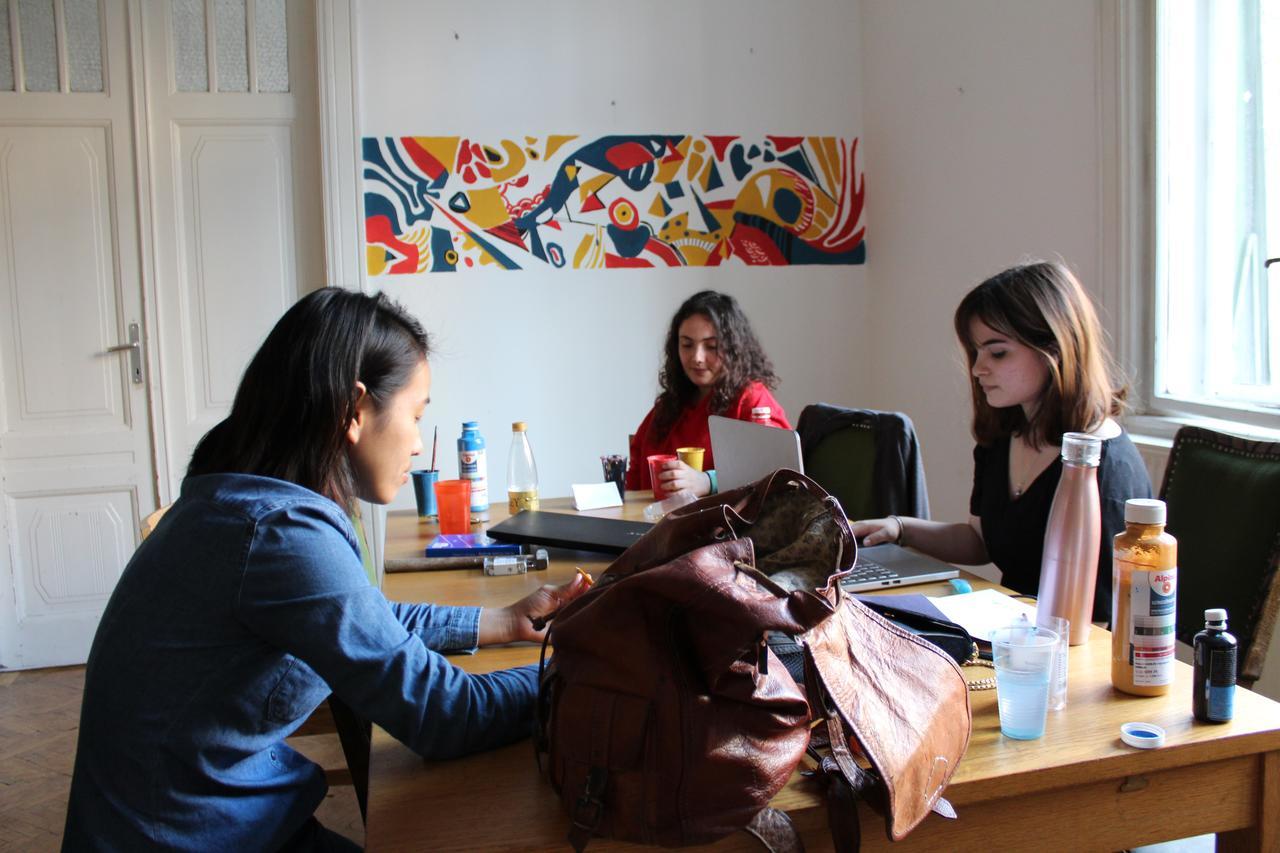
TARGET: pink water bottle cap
(761,413)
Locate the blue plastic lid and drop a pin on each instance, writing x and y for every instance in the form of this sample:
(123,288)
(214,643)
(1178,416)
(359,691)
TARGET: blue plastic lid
(1142,735)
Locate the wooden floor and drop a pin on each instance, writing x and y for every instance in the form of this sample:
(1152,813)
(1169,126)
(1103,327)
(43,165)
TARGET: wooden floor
(39,719)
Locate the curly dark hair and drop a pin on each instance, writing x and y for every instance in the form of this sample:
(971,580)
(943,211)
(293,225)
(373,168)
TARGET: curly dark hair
(743,357)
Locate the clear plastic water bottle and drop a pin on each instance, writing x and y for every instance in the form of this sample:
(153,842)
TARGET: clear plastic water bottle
(1073,537)
(522,472)
(473,466)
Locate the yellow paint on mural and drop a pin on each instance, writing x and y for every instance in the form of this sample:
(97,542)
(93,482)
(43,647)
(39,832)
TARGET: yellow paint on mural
(469,244)
(554,142)
(589,255)
(488,210)
(592,185)
(375,259)
(421,238)
(443,148)
(514,165)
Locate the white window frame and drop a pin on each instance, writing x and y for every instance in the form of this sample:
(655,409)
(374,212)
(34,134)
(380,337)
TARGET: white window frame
(1127,227)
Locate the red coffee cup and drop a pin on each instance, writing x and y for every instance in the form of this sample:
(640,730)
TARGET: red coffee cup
(657,462)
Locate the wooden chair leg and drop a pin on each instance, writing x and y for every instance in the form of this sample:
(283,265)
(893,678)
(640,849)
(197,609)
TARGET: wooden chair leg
(355,735)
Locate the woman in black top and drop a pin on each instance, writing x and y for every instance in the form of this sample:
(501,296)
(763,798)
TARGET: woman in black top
(1039,368)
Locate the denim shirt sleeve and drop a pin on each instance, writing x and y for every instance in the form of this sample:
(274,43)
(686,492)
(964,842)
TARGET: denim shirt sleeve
(304,591)
(440,627)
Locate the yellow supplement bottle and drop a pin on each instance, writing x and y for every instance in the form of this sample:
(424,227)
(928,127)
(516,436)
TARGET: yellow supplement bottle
(1144,599)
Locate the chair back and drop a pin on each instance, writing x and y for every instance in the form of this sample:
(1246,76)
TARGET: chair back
(869,460)
(1223,497)
(843,463)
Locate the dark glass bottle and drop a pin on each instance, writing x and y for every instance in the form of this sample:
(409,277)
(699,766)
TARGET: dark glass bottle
(1214,682)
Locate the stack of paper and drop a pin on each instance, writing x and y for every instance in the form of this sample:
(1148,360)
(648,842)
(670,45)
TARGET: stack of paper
(983,611)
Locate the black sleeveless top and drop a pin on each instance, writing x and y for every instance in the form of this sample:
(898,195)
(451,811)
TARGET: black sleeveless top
(1013,528)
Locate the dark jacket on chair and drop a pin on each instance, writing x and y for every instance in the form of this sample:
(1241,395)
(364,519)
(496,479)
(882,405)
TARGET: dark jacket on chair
(899,486)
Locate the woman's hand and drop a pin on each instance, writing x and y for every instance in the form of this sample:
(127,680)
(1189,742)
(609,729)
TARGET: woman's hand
(877,531)
(676,475)
(517,622)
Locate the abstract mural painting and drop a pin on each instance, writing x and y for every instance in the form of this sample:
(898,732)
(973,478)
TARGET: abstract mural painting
(444,203)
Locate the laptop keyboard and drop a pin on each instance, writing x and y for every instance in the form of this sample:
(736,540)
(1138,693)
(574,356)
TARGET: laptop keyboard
(868,571)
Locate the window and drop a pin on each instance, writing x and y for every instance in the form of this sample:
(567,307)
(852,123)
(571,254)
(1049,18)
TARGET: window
(1217,205)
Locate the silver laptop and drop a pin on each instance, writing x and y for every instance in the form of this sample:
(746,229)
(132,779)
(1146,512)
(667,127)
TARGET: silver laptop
(744,452)
(886,566)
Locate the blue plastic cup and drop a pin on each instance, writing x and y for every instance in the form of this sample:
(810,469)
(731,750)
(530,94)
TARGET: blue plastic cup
(1024,658)
(424,492)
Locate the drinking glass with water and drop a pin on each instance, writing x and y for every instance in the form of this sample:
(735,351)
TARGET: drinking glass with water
(1024,657)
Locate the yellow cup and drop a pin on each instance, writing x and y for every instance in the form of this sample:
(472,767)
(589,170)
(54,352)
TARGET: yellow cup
(691,456)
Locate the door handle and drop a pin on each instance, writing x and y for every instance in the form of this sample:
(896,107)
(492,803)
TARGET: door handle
(134,348)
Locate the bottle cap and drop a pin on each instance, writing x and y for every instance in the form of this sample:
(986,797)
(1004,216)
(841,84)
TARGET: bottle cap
(1144,511)
(1142,735)
(471,425)
(761,412)
(1215,614)
(1080,448)
(519,426)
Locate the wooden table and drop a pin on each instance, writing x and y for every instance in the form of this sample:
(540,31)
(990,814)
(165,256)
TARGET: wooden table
(1077,788)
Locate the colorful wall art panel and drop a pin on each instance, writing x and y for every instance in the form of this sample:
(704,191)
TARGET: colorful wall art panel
(446,203)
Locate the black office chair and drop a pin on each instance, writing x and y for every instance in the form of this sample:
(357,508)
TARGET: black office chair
(869,460)
(1223,496)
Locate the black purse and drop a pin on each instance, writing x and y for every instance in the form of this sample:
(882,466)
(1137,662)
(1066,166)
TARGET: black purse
(910,612)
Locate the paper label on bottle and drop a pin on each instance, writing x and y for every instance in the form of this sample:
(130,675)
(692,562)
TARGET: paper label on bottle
(471,466)
(1153,599)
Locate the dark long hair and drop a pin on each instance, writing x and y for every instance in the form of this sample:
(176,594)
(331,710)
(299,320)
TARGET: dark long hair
(1042,305)
(743,358)
(298,394)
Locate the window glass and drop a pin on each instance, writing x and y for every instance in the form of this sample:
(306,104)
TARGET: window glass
(1217,329)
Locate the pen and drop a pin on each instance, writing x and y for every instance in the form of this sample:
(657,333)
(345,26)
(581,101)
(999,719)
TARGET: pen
(435,441)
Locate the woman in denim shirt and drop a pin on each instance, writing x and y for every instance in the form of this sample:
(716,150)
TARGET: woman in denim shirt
(249,604)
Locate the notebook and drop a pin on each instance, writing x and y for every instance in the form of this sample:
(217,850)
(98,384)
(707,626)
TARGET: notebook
(889,565)
(566,530)
(745,452)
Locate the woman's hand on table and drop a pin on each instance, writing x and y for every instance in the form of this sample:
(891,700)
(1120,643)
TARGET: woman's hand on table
(523,620)
(676,475)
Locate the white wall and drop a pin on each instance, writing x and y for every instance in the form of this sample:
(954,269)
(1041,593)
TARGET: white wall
(576,353)
(981,131)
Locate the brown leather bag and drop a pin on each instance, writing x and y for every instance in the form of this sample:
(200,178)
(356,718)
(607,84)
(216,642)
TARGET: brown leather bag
(664,717)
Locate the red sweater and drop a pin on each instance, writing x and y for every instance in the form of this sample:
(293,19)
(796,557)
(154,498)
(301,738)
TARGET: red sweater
(691,430)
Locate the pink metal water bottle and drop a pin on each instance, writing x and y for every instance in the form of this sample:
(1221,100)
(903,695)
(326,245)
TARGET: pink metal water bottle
(1069,565)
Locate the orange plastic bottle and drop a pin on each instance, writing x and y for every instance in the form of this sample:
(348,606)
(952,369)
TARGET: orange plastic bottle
(1144,599)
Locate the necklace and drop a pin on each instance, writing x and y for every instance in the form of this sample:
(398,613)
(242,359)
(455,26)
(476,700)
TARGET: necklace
(1025,465)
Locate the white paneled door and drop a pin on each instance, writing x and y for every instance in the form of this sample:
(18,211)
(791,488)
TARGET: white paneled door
(186,223)
(75,446)
(236,176)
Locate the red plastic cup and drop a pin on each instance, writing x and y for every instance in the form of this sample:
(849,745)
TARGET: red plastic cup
(657,462)
(453,502)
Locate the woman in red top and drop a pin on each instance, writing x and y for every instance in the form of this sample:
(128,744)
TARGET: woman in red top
(713,365)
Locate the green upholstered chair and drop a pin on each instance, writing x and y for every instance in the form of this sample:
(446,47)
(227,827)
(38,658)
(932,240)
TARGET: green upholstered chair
(843,463)
(1223,496)
(869,460)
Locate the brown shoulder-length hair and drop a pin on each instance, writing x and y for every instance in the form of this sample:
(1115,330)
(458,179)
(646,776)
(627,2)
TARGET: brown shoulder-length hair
(743,358)
(1042,305)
